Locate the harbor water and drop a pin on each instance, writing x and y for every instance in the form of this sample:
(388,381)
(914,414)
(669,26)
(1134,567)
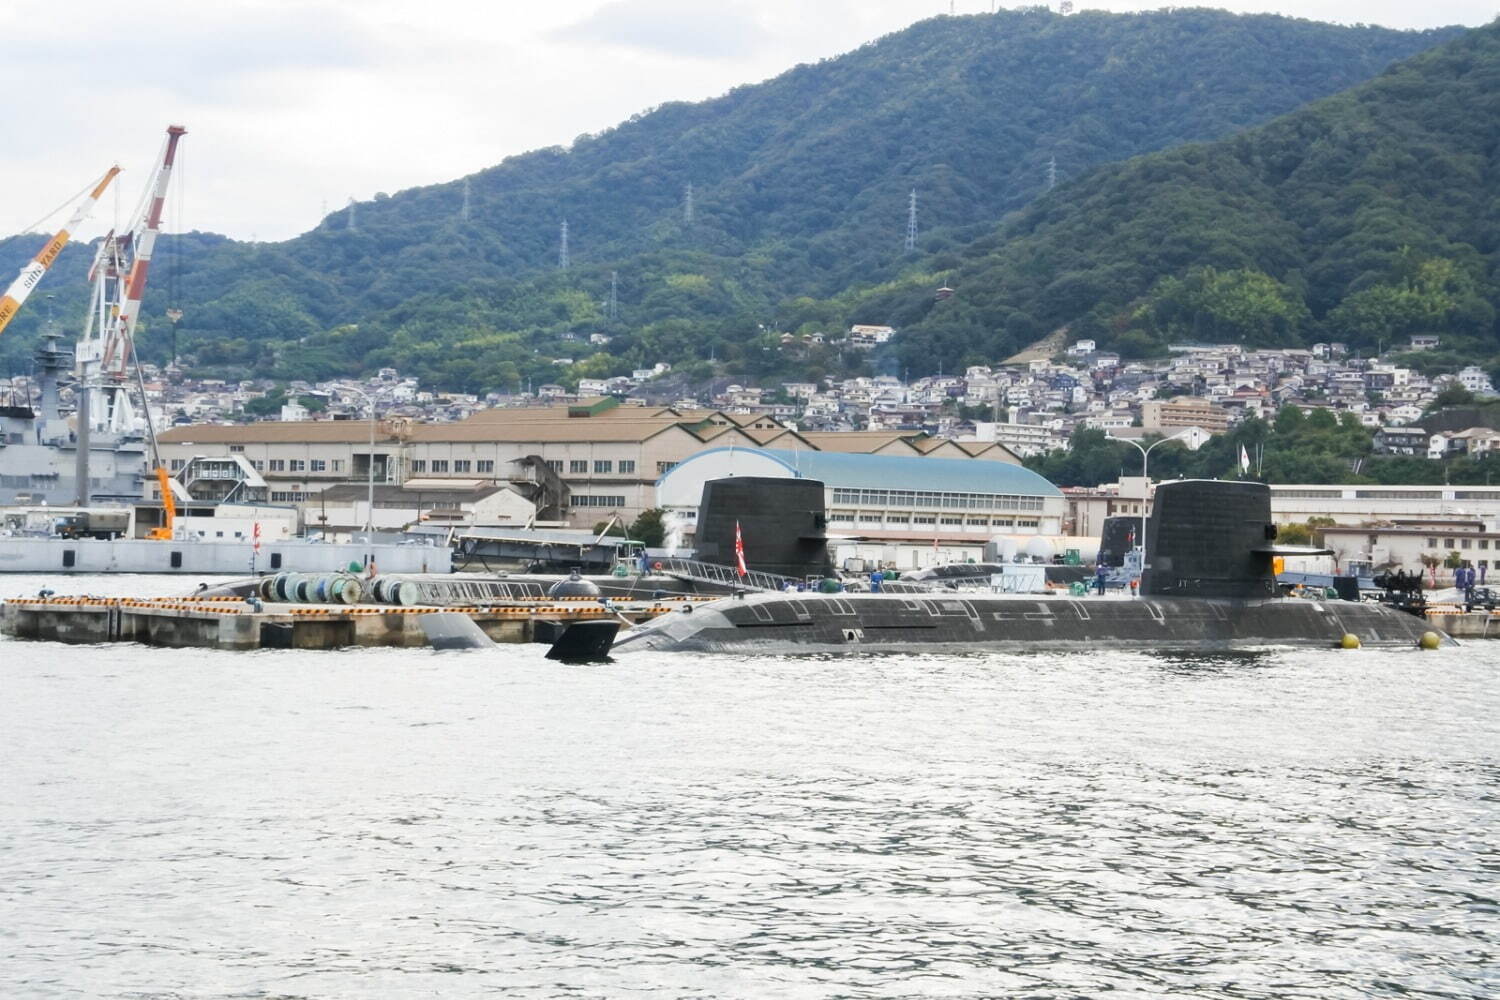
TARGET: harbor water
(403,823)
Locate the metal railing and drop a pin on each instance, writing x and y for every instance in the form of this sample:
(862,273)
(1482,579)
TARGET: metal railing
(724,576)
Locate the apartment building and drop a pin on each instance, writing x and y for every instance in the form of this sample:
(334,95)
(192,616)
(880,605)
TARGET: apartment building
(1184,411)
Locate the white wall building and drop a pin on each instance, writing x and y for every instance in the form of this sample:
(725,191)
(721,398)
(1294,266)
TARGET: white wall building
(912,512)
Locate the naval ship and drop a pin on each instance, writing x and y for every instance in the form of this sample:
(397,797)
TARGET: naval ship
(1207,583)
(39,446)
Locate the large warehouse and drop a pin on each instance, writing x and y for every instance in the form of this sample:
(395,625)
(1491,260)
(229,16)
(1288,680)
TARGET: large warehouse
(895,509)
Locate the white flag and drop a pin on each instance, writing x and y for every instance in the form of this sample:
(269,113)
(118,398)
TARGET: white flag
(1244,460)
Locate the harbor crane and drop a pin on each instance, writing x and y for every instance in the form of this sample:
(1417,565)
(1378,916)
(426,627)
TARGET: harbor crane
(105,352)
(31,275)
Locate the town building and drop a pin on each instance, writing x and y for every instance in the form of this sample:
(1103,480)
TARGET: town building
(1184,411)
(344,509)
(1404,440)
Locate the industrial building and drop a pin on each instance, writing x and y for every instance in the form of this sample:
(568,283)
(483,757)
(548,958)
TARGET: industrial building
(909,511)
(577,464)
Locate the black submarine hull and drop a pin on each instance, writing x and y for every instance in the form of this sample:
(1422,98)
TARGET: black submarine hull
(774,623)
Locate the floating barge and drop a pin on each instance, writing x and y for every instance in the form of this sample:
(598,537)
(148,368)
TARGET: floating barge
(235,623)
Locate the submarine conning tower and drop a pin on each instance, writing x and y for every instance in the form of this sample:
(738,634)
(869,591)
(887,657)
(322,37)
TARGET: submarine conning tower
(783,522)
(1212,538)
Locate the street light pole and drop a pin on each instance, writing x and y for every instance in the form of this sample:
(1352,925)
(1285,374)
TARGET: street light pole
(370,463)
(1145,451)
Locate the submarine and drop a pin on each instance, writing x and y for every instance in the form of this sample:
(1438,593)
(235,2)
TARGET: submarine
(1207,583)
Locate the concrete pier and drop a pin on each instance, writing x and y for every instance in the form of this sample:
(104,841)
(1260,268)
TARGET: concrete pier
(232,623)
(1463,624)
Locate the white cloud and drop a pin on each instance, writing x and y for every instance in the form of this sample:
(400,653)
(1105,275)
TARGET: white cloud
(292,105)
(672,27)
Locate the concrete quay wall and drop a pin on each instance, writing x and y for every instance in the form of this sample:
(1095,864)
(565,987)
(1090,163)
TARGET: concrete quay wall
(230,623)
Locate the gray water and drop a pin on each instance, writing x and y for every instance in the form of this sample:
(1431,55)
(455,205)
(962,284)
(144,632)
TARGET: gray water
(405,823)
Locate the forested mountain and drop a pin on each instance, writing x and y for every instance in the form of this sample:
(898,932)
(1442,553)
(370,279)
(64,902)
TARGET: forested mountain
(800,193)
(1363,218)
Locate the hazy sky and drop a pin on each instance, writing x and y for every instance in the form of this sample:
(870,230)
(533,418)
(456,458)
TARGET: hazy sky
(294,106)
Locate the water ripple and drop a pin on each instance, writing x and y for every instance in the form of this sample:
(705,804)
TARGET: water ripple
(1276,825)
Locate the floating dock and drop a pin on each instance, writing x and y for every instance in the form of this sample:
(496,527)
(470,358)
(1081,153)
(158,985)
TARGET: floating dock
(235,623)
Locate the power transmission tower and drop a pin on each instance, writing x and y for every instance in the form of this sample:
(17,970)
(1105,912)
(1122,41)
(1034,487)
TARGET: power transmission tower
(687,205)
(463,213)
(614,296)
(353,223)
(562,248)
(911,223)
(1052,173)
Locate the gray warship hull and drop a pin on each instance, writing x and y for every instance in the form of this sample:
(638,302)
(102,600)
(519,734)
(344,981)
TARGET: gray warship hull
(811,623)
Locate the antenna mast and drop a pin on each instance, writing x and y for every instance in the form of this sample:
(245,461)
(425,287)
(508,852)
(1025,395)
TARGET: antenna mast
(614,296)
(562,248)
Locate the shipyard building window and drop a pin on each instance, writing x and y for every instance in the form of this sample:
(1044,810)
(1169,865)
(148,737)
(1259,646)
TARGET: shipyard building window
(419,465)
(578,467)
(257,465)
(839,517)
(318,465)
(1484,543)
(662,468)
(1399,494)
(600,465)
(278,464)
(1432,543)
(554,464)
(953,520)
(923,519)
(236,447)
(601,501)
(297,465)
(627,467)
(439,465)
(177,464)
(338,465)
(1308,494)
(1466,544)
(461,464)
(485,465)
(1448,543)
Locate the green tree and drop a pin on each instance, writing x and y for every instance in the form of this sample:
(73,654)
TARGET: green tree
(648,528)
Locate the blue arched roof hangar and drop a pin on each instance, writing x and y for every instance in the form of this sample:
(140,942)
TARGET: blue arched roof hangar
(843,470)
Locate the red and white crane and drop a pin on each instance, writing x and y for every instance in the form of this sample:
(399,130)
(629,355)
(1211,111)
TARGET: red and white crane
(118,276)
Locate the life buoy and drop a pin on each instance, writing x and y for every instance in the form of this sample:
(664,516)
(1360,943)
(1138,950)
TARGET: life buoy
(656,565)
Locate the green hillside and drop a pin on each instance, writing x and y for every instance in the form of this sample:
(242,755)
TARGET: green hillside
(1365,218)
(800,188)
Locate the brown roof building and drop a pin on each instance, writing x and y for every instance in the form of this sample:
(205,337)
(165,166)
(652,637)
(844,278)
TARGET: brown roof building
(581,462)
